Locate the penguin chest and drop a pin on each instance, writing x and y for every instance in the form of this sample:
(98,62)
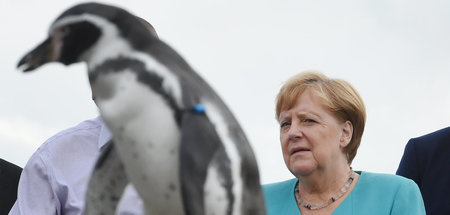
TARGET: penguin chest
(147,137)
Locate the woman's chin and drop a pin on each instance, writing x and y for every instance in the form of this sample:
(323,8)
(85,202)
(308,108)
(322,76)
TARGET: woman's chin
(302,169)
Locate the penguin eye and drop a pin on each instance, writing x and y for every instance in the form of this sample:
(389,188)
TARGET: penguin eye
(63,31)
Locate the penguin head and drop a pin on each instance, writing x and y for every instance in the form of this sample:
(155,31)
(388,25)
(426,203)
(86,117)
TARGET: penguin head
(91,33)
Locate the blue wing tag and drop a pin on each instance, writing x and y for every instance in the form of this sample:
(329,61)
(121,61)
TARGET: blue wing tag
(199,108)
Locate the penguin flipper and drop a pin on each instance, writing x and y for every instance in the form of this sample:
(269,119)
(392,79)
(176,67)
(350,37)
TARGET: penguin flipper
(107,183)
(199,143)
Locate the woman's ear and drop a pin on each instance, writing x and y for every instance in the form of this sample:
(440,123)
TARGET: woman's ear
(347,133)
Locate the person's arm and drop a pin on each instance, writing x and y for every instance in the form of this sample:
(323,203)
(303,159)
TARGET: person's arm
(409,165)
(408,200)
(35,194)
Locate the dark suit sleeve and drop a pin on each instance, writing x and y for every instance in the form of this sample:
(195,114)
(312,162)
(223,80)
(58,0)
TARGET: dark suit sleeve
(408,165)
(9,180)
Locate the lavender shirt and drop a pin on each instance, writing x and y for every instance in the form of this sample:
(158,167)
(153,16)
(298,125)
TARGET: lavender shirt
(55,179)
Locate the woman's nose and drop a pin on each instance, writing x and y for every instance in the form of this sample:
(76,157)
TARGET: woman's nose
(295,131)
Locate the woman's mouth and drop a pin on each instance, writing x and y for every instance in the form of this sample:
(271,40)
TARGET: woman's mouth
(299,150)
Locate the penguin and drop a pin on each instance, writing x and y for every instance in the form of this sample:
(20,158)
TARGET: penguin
(173,137)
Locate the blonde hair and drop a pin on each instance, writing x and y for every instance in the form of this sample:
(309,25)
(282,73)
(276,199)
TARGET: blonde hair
(339,96)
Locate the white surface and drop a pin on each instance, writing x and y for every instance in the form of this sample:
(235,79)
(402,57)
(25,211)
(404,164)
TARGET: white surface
(396,53)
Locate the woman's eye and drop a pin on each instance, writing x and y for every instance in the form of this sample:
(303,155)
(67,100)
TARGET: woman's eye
(309,121)
(284,124)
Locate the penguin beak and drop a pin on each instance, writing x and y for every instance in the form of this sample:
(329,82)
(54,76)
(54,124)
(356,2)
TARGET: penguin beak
(39,56)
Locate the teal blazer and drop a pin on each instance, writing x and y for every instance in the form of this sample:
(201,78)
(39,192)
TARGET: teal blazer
(374,193)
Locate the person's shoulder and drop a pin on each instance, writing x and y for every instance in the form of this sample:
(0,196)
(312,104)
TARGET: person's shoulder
(278,196)
(430,145)
(91,125)
(9,167)
(440,132)
(279,184)
(279,187)
(388,192)
(436,137)
(386,181)
(59,142)
(65,142)
(383,177)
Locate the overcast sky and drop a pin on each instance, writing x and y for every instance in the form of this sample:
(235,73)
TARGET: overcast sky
(395,52)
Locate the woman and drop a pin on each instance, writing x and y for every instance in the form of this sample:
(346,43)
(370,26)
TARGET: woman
(321,124)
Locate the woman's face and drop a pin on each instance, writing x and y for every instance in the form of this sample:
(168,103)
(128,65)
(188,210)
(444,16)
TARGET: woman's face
(312,138)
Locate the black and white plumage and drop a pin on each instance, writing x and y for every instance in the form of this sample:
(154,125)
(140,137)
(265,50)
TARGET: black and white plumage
(173,137)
